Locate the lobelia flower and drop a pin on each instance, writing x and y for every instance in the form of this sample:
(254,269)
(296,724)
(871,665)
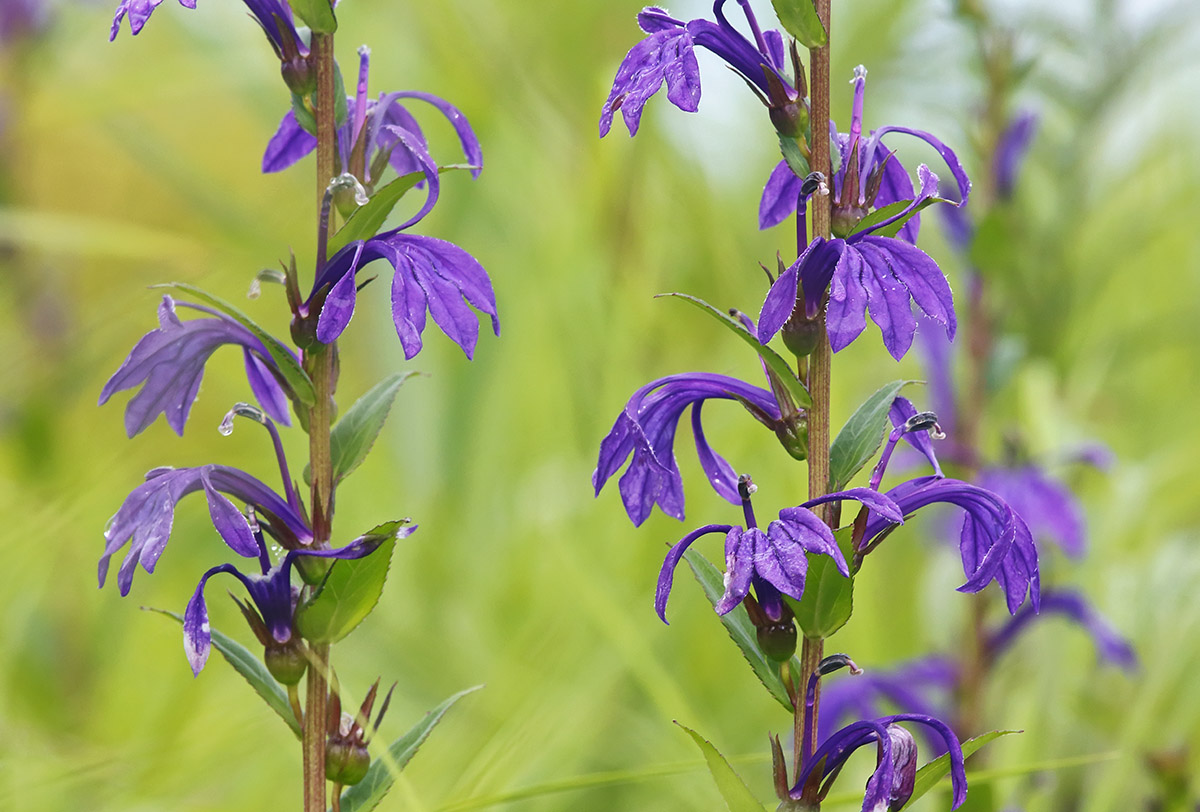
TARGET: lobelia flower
(865,270)
(21,18)
(168,364)
(1050,510)
(146,516)
(646,430)
(385,131)
(270,590)
(891,783)
(668,55)
(995,543)
(774,561)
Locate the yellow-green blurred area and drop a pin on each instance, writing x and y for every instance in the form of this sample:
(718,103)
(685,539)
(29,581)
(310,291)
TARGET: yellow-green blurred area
(137,162)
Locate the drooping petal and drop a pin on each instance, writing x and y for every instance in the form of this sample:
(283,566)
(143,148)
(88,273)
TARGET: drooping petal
(740,546)
(801,526)
(419,156)
(288,145)
(139,12)
(665,55)
(958,771)
(929,188)
(266,388)
(228,520)
(338,308)
(168,364)
(845,316)
(1010,152)
(719,472)
(462,128)
(881,503)
(900,412)
(896,185)
(779,196)
(646,429)
(197,635)
(947,154)
(1050,510)
(923,686)
(439,275)
(780,560)
(666,575)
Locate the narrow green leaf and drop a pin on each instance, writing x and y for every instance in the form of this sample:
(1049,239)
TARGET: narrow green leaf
(740,629)
(862,435)
(929,775)
(368,220)
(317,15)
(799,18)
(772,359)
(253,671)
(828,599)
(366,794)
(733,789)
(296,377)
(354,434)
(304,116)
(892,229)
(350,590)
(796,161)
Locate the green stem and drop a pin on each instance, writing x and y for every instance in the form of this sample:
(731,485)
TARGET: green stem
(319,364)
(820,363)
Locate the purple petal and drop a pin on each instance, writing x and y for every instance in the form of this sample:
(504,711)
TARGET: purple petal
(739,567)
(266,389)
(929,188)
(719,472)
(896,272)
(896,185)
(1046,505)
(802,526)
(288,145)
(338,307)
(780,302)
(845,317)
(462,128)
(665,55)
(667,574)
(779,196)
(197,636)
(899,413)
(229,521)
(952,162)
(1010,152)
(139,12)
(1109,643)
(780,560)
(417,151)
(958,771)
(876,501)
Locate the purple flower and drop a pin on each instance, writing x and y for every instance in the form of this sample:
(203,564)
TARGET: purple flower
(646,429)
(865,273)
(915,428)
(271,591)
(891,784)
(1010,153)
(148,513)
(168,364)
(1110,645)
(668,55)
(275,17)
(868,175)
(774,562)
(385,131)
(995,542)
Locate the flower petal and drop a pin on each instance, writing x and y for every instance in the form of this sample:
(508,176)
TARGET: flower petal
(288,145)
(666,575)
(665,55)
(779,196)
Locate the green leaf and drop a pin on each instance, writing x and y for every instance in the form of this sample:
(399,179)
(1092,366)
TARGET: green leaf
(799,18)
(862,435)
(933,772)
(350,590)
(772,359)
(890,210)
(828,599)
(740,629)
(317,15)
(794,157)
(304,116)
(253,671)
(366,794)
(353,435)
(368,220)
(738,797)
(297,379)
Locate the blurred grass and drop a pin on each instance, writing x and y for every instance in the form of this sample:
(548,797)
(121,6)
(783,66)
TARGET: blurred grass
(137,162)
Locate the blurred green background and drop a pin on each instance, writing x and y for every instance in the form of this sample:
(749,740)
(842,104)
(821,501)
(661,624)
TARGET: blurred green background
(137,162)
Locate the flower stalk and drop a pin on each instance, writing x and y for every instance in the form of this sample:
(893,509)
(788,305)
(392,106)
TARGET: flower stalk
(319,363)
(820,361)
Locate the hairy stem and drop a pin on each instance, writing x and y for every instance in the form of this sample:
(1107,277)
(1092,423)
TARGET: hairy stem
(805,722)
(320,366)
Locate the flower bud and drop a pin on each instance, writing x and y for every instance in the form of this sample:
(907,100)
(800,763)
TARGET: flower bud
(286,662)
(904,766)
(793,436)
(777,640)
(346,762)
(313,569)
(843,219)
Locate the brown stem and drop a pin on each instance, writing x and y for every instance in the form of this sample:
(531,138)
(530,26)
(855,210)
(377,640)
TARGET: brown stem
(820,362)
(319,364)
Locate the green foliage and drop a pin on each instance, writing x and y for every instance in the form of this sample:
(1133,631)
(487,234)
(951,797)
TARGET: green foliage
(862,435)
(741,630)
(350,591)
(317,15)
(253,671)
(355,433)
(368,220)
(828,599)
(772,359)
(790,149)
(366,794)
(891,210)
(737,796)
(799,18)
